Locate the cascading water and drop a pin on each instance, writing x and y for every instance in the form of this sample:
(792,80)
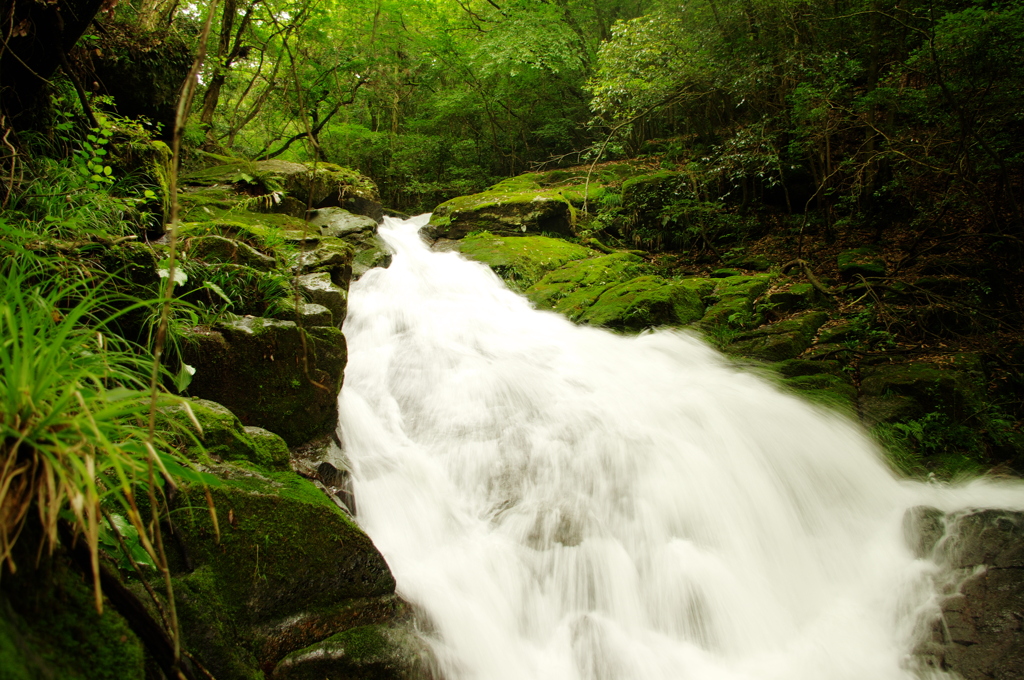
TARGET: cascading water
(567,503)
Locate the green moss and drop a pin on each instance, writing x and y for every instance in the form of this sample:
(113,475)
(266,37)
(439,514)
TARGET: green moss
(644,302)
(285,549)
(521,260)
(583,281)
(751,287)
(825,389)
(48,625)
(779,341)
(223,437)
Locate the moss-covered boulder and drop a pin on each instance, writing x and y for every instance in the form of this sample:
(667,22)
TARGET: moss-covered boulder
(778,341)
(270,373)
(305,314)
(794,297)
(380,652)
(732,301)
(285,554)
(863,261)
(949,388)
(521,260)
(574,287)
(220,436)
(513,207)
(644,302)
(320,289)
(306,185)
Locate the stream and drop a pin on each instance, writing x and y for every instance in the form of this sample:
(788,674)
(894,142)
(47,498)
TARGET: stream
(566,503)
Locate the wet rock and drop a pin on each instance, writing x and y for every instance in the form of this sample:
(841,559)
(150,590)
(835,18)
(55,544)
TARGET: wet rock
(980,635)
(379,652)
(340,223)
(320,289)
(359,233)
(305,314)
(257,367)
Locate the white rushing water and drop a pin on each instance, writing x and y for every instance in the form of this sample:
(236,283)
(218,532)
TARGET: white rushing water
(566,503)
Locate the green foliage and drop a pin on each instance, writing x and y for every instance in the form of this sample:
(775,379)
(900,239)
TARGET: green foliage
(74,398)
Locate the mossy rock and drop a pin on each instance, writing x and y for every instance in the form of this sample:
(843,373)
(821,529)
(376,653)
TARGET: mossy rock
(285,550)
(758,263)
(644,302)
(322,184)
(222,436)
(574,287)
(512,207)
(702,287)
(949,389)
(319,288)
(49,627)
(257,368)
(733,311)
(340,223)
(750,287)
(778,341)
(305,314)
(340,228)
(224,250)
(860,262)
(521,260)
(793,298)
(378,652)
(794,368)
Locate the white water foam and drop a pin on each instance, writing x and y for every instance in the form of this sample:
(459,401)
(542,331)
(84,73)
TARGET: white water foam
(566,503)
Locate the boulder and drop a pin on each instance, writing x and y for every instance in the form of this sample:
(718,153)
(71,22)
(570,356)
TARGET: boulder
(222,437)
(509,208)
(320,289)
(305,314)
(359,233)
(381,652)
(644,302)
(289,569)
(270,373)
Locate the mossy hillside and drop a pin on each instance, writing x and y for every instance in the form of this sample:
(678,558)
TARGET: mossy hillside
(285,550)
(521,260)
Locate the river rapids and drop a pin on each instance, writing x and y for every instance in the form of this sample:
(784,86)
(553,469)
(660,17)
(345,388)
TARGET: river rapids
(566,503)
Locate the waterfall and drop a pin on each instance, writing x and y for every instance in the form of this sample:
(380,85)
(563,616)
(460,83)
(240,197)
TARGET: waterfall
(566,503)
